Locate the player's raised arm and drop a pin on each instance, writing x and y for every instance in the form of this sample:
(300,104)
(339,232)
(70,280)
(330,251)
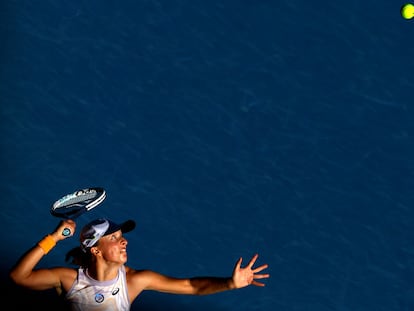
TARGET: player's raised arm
(24,273)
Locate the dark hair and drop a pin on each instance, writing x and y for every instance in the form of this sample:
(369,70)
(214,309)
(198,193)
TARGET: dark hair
(78,257)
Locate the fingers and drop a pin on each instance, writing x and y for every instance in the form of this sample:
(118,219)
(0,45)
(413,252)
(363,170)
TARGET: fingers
(258,269)
(251,264)
(261,268)
(253,260)
(261,276)
(70,222)
(257,284)
(238,263)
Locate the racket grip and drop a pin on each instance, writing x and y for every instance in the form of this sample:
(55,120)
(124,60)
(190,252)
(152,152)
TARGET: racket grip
(66,232)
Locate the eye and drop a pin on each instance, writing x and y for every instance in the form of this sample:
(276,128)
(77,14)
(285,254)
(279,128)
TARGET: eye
(115,237)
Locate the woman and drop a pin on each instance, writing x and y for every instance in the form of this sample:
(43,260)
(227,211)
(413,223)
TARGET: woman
(103,281)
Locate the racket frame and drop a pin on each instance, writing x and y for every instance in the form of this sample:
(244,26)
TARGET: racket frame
(58,206)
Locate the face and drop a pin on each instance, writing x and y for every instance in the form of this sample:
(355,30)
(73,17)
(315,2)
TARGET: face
(112,247)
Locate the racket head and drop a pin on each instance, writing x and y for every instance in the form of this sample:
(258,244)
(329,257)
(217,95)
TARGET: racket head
(76,203)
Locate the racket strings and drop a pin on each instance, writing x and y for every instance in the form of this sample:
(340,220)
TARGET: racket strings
(76,203)
(80,198)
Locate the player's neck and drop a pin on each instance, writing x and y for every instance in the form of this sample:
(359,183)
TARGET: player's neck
(101,272)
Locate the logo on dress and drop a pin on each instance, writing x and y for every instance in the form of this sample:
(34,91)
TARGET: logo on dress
(99,298)
(115,291)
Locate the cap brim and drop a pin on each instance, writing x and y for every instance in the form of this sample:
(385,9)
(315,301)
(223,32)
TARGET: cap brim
(128,226)
(125,227)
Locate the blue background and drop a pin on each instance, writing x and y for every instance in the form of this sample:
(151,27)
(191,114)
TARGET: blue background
(224,128)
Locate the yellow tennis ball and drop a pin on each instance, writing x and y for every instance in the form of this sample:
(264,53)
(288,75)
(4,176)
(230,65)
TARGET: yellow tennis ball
(407,11)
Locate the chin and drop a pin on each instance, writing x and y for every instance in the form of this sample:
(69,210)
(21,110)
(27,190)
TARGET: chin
(124,258)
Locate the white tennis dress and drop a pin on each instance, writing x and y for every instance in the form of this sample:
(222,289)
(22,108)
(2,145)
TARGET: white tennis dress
(87,293)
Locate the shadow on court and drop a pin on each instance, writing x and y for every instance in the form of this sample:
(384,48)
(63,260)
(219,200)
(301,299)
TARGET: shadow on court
(24,299)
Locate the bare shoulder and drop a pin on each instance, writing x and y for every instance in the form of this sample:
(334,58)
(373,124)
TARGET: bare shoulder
(148,279)
(142,277)
(139,280)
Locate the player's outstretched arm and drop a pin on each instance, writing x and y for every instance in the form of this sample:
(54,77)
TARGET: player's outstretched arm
(205,285)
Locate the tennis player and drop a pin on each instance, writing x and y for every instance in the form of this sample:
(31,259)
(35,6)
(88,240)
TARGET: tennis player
(103,281)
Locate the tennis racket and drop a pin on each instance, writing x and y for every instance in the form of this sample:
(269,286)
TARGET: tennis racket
(75,204)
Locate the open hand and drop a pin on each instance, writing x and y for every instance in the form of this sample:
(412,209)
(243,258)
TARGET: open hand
(243,277)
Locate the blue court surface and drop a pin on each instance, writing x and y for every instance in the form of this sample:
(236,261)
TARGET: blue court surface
(225,129)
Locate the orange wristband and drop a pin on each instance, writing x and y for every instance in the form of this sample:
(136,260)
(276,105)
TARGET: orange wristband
(47,244)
